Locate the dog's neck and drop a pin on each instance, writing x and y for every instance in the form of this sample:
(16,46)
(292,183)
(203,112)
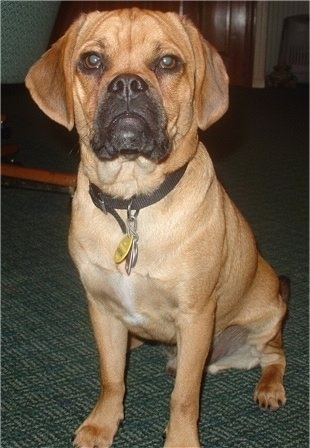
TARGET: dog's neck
(109,204)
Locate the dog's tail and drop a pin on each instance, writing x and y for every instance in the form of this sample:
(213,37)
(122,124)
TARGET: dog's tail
(284,287)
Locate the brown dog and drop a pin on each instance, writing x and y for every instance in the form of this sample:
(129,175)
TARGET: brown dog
(185,270)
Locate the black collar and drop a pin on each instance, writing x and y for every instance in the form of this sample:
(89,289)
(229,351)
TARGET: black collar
(109,204)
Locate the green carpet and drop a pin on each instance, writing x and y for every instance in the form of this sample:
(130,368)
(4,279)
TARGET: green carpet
(49,359)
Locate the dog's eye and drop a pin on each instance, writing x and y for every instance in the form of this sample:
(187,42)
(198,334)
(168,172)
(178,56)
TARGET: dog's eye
(168,62)
(167,65)
(92,61)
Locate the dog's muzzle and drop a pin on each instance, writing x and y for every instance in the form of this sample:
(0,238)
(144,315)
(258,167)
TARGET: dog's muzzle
(130,121)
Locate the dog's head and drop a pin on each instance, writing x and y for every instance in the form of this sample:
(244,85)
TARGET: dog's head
(135,83)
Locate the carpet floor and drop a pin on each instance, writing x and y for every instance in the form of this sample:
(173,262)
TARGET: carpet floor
(49,358)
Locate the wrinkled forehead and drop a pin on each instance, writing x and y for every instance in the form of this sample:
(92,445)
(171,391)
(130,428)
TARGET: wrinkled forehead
(131,31)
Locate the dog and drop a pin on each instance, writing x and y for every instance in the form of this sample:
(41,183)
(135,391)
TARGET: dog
(162,252)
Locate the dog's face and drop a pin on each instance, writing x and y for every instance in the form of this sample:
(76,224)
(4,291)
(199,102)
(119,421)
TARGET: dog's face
(135,83)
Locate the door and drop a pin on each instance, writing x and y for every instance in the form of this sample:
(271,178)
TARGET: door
(229,26)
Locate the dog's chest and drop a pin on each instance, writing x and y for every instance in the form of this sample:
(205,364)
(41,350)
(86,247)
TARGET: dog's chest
(143,304)
(125,294)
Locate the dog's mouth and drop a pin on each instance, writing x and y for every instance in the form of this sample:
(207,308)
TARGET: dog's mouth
(128,134)
(130,122)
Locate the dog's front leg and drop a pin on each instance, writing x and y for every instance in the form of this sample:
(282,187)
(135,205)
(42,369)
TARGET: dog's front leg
(194,339)
(101,425)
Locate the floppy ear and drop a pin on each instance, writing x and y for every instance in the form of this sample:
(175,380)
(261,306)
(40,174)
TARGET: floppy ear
(212,88)
(211,84)
(50,79)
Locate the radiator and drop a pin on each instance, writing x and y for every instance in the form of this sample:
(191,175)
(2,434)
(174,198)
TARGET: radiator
(277,12)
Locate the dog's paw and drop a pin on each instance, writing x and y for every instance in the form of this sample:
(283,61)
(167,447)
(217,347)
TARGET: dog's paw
(92,436)
(270,396)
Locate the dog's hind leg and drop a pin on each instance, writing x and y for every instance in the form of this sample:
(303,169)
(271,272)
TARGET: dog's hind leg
(269,392)
(244,347)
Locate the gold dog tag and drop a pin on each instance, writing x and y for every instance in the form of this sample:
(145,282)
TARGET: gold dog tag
(123,248)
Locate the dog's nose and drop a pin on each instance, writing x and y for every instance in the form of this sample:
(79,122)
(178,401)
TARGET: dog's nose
(127,86)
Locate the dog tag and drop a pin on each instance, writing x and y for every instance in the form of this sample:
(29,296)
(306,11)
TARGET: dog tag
(132,257)
(123,248)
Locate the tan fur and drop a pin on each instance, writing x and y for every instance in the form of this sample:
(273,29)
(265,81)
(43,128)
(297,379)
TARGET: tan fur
(198,271)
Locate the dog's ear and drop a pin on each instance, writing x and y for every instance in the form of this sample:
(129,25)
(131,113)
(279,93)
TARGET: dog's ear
(212,88)
(211,83)
(50,79)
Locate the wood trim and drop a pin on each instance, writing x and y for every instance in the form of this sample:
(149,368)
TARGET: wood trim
(38,175)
